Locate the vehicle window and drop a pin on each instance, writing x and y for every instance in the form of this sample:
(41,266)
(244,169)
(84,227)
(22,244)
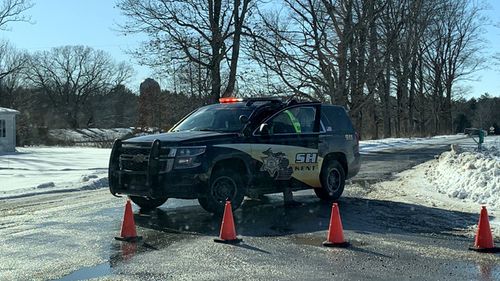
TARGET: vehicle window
(297,120)
(214,119)
(337,118)
(325,123)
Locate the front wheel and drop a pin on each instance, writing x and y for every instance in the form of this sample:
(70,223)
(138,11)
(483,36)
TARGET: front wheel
(148,203)
(225,184)
(332,181)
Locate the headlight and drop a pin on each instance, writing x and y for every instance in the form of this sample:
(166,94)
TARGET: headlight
(190,151)
(188,157)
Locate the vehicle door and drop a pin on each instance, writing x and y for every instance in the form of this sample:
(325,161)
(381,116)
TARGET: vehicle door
(285,146)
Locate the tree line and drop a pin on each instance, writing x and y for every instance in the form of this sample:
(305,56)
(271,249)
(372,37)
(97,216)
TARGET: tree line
(393,64)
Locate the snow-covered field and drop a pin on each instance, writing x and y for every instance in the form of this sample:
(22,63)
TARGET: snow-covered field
(37,170)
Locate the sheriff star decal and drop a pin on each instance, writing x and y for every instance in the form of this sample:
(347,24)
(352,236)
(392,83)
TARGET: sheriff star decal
(277,165)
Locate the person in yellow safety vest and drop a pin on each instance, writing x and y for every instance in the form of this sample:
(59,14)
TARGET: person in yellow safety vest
(287,191)
(287,118)
(295,122)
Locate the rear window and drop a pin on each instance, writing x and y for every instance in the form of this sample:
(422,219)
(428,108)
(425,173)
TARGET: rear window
(336,118)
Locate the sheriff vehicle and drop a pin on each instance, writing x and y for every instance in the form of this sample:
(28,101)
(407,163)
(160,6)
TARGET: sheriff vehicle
(239,147)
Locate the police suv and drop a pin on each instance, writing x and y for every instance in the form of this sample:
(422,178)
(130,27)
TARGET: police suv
(239,147)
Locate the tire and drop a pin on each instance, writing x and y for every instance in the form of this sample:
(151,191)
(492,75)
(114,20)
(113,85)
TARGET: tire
(148,203)
(224,184)
(332,181)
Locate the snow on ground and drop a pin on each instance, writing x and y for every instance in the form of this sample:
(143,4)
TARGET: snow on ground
(461,180)
(91,134)
(367,146)
(37,170)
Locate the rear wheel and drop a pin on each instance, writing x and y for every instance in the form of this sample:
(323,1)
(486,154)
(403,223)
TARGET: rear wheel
(332,181)
(225,184)
(148,203)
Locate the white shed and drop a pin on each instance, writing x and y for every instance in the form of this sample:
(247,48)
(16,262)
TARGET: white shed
(8,129)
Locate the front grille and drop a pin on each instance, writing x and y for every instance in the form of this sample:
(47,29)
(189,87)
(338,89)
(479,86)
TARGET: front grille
(135,157)
(131,165)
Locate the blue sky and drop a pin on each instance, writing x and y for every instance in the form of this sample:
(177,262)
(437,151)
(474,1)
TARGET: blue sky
(76,22)
(93,23)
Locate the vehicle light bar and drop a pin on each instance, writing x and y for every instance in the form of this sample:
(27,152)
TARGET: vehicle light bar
(230,100)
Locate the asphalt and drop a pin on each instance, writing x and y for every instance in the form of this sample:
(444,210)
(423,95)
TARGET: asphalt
(70,237)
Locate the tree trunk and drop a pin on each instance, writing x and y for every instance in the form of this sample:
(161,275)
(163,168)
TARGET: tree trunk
(216,45)
(387,90)
(411,98)
(238,24)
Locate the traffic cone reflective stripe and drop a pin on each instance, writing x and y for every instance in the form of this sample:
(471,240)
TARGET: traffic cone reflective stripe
(128,231)
(227,229)
(335,236)
(484,238)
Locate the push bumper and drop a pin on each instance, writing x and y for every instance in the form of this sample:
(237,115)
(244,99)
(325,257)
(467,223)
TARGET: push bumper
(147,171)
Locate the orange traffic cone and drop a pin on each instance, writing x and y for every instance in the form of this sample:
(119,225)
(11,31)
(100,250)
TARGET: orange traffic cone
(335,231)
(128,232)
(227,229)
(484,238)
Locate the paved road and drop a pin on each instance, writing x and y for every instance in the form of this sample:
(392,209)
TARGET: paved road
(70,237)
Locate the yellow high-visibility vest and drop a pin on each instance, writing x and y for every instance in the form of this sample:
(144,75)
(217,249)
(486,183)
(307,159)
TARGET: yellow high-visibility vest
(295,122)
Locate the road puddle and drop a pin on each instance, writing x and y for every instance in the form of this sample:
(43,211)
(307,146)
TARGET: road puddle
(90,272)
(122,253)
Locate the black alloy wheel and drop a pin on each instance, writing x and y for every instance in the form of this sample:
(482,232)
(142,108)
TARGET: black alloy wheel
(332,181)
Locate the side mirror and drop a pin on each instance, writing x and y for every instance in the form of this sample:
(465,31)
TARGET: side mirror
(243,119)
(264,129)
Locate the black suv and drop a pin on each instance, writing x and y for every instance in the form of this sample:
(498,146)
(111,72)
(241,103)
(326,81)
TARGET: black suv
(239,147)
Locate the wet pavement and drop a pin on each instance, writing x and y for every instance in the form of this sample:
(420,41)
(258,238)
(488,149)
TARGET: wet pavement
(389,241)
(70,237)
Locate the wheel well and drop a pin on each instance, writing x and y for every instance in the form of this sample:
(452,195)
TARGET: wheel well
(339,156)
(233,164)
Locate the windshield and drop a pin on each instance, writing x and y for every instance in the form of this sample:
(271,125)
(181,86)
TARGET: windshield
(219,119)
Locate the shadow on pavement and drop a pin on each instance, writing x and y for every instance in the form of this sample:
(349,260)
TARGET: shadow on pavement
(272,219)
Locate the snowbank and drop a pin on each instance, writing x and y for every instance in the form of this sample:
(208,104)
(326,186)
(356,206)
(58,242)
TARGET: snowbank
(468,174)
(89,135)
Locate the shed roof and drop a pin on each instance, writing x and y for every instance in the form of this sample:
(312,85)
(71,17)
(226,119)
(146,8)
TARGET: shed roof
(8,110)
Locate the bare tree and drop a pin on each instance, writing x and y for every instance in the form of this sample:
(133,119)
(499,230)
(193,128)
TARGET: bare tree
(454,52)
(381,58)
(207,33)
(12,61)
(319,48)
(69,75)
(12,11)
